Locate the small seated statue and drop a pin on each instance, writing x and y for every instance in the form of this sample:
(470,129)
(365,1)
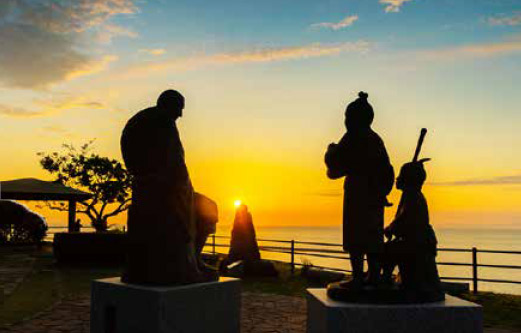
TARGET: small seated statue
(413,248)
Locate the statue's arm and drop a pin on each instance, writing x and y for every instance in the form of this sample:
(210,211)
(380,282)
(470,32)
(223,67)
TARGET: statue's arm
(339,158)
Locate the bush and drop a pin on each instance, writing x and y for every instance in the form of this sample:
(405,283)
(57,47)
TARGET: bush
(20,225)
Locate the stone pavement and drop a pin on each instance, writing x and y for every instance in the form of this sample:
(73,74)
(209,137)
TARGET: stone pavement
(260,313)
(14,267)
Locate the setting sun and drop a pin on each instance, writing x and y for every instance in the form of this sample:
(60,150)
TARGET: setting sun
(237,203)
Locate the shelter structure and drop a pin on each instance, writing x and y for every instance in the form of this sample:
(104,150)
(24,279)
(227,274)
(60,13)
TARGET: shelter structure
(39,190)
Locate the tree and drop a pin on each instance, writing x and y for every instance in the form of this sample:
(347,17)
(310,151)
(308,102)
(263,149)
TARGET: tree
(106,179)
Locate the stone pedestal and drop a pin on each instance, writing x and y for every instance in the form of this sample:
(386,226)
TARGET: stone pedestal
(453,315)
(204,307)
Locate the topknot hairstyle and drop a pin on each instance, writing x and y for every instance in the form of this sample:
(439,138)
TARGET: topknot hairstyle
(359,113)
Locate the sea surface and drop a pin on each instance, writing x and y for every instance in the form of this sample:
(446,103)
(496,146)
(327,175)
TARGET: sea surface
(460,238)
(464,238)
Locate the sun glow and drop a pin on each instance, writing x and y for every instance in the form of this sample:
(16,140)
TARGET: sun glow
(237,203)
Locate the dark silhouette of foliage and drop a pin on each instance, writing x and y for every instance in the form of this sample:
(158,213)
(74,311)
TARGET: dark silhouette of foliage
(106,179)
(18,224)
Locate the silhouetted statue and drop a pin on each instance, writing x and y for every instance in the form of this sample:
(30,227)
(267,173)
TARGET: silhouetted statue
(413,248)
(162,230)
(243,245)
(362,159)
(206,214)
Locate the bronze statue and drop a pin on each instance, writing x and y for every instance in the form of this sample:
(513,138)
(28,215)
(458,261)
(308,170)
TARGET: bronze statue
(162,230)
(362,159)
(413,248)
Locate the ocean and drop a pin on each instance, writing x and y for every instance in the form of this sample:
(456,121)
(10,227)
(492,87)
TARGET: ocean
(461,238)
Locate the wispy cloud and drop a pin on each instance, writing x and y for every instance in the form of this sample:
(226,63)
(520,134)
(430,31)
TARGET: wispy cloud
(109,31)
(18,112)
(500,180)
(92,67)
(512,20)
(154,52)
(393,6)
(262,55)
(43,41)
(48,107)
(346,22)
(508,46)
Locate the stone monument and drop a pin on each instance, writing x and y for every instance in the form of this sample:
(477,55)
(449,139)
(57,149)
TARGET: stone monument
(165,286)
(378,304)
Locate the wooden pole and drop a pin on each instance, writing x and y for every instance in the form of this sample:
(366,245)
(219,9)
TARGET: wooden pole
(72,216)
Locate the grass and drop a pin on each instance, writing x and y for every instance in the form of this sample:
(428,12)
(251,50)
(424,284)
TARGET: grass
(499,310)
(49,282)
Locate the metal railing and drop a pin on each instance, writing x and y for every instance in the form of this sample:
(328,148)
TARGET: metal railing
(334,251)
(327,250)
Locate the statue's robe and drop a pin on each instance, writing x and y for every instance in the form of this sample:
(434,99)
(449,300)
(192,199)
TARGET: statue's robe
(161,221)
(363,160)
(414,248)
(206,216)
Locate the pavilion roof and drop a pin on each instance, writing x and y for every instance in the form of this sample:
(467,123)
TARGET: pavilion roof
(35,189)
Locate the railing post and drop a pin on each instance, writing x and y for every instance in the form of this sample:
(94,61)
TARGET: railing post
(474,270)
(213,244)
(292,256)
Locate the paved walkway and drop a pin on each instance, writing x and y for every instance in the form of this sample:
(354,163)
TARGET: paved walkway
(260,313)
(14,267)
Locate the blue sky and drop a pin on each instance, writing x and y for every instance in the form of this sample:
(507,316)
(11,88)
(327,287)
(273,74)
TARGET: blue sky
(266,85)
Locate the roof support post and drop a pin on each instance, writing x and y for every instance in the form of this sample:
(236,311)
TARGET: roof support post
(72,216)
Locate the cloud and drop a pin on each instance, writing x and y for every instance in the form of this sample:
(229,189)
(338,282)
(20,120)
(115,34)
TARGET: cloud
(393,6)
(41,40)
(483,50)
(17,112)
(500,180)
(255,56)
(346,22)
(47,107)
(505,20)
(109,31)
(92,67)
(154,52)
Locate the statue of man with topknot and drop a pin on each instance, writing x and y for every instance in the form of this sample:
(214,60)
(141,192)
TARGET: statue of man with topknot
(360,156)
(162,234)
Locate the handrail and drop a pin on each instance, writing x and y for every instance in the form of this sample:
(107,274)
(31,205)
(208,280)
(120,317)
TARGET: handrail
(292,249)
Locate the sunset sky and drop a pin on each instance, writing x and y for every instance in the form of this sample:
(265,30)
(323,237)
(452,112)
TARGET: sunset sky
(266,84)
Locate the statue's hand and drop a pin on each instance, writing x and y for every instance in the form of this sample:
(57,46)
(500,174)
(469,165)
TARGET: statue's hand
(388,233)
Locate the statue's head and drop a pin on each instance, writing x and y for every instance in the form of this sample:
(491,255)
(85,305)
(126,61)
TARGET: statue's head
(172,103)
(359,113)
(412,176)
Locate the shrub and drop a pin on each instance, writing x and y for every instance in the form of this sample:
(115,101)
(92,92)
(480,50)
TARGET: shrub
(20,225)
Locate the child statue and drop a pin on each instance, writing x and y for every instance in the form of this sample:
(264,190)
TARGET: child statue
(413,248)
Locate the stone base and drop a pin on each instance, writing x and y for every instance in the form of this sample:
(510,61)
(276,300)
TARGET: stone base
(453,315)
(203,307)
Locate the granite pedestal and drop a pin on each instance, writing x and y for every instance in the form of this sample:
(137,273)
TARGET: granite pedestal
(203,307)
(453,315)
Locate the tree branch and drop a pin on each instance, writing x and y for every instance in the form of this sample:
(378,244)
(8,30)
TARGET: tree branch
(121,208)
